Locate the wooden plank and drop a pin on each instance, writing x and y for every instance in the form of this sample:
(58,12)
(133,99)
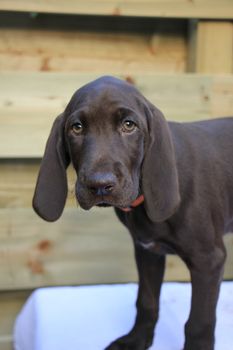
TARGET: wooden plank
(6,343)
(222,97)
(34,252)
(72,50)
(96,251)
(156,8)
(192,45)
(214,47)
(18,180)
(10,305)
(228,272)
(29,102)
(83,247)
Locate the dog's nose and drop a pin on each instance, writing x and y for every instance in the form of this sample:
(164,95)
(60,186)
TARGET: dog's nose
(101,184)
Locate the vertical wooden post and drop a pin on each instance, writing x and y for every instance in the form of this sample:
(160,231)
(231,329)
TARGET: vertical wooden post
(192,45)
(211,47)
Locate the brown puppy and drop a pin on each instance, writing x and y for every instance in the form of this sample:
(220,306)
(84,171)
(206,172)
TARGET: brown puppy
(124,151)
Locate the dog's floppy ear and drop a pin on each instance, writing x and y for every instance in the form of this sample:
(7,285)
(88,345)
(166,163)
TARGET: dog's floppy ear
(159,171)
(51,188)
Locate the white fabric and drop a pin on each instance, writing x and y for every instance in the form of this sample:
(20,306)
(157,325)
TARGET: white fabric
(90,317)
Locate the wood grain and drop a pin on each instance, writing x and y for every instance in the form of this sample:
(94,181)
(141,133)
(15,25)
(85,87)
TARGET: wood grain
(214,47)
(99,52)
(29,102)
(10,305)
(18,180)
(154,8)
(83,247)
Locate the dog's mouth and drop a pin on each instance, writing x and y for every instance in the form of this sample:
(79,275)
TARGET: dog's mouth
(139,200)
(103,205)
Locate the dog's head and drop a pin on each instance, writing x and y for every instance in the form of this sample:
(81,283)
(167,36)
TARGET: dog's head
(120,146)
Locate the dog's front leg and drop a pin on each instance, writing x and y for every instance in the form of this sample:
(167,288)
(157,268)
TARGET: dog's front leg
(150,272)
(206,275)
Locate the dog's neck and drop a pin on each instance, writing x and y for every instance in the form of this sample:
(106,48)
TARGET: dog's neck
(134,204)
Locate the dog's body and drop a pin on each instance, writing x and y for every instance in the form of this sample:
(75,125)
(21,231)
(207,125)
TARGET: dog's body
(121,148)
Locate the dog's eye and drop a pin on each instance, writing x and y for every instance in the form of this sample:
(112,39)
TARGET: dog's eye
(128,126)
(77,128)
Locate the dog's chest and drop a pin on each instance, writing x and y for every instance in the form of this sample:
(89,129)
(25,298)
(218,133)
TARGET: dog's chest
(156,247)
(154,237)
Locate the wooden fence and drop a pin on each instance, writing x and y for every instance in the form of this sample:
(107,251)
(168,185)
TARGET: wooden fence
(155,8)
(178,53)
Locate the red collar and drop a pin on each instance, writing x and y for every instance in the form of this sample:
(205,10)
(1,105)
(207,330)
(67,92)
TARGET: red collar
(134,204)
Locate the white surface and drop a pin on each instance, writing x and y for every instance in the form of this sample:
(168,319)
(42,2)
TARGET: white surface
(89,318)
